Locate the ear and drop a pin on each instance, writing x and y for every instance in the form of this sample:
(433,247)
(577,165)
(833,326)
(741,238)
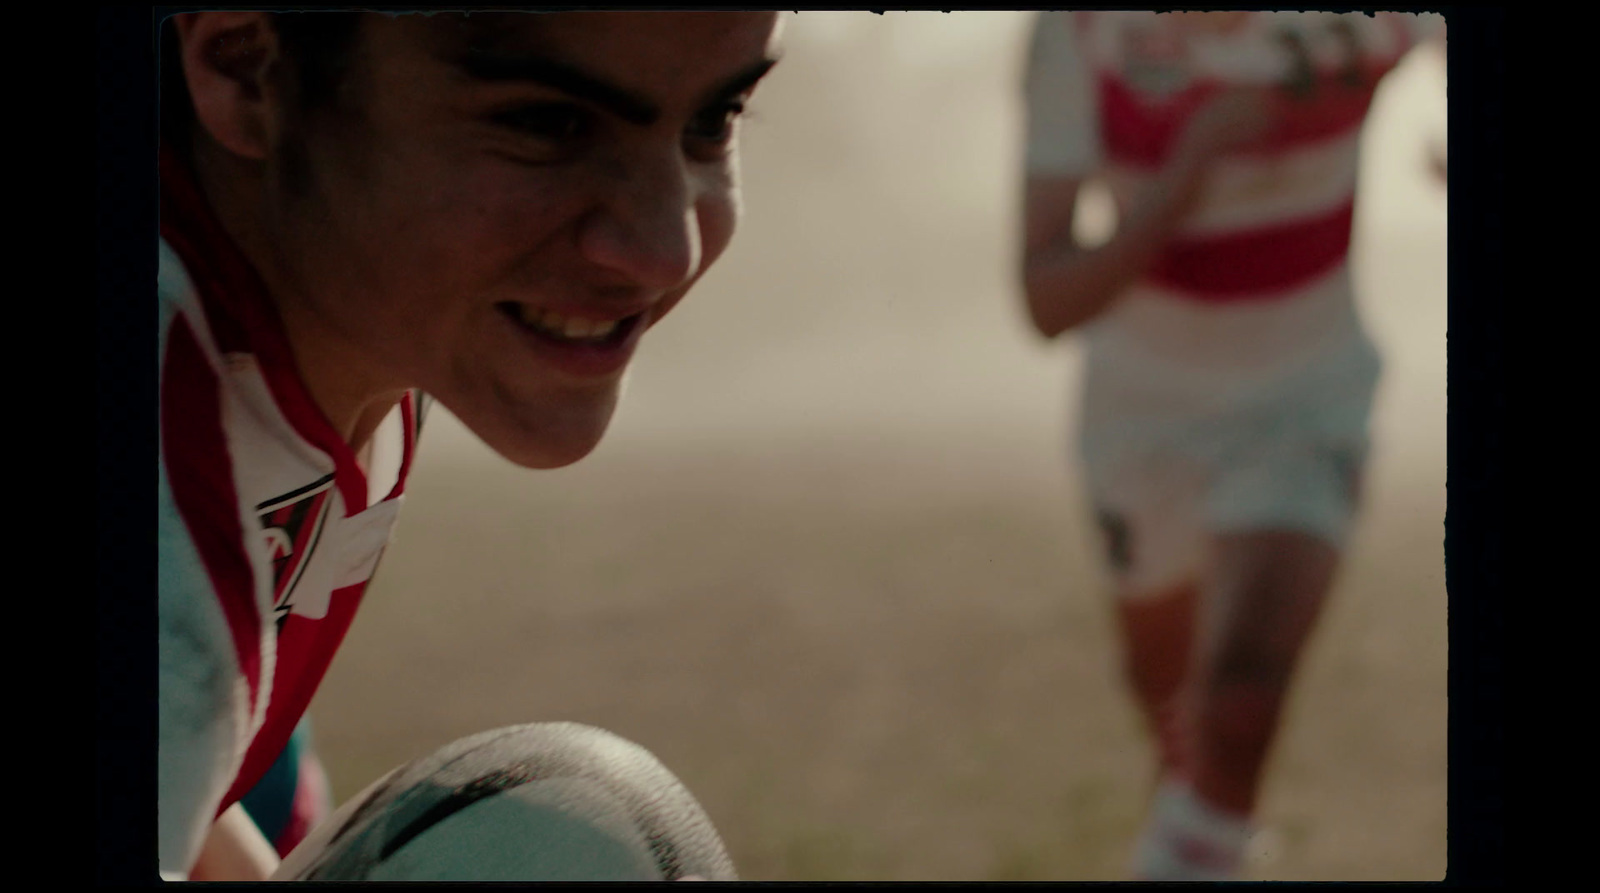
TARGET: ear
(226,57)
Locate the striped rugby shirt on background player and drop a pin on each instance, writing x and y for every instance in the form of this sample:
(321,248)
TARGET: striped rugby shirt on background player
(269,530)
(1256,278)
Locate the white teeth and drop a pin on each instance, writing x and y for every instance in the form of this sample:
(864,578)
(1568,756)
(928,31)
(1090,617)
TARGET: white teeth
(552,323)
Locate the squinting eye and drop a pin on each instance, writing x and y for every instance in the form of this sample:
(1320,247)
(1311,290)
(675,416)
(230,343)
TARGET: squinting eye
(716,124)
(551,121)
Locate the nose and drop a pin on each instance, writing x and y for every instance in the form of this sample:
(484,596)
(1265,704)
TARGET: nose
(645,226)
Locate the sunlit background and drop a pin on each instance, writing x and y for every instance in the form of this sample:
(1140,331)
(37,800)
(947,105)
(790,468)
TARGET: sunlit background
(832,564)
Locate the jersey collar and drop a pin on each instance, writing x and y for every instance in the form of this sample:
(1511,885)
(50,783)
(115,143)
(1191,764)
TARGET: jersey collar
(243,319)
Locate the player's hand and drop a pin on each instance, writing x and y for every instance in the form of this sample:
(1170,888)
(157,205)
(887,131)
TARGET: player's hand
(1229,121)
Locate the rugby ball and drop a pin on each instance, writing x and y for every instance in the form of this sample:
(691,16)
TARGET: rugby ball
(545,801)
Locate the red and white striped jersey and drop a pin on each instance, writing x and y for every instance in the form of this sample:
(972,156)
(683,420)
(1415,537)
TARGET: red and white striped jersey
(270,528)
(1108,95)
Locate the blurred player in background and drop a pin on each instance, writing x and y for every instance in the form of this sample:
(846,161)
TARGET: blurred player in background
(1228,378)
(357,210)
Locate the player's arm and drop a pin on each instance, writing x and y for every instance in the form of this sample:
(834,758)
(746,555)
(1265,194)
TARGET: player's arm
(1062,153)
(204,701)
(203,711)
(1067,284)
(1423,32)
(235,850)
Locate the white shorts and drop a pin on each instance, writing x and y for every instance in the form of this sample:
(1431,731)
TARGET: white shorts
(1168,469)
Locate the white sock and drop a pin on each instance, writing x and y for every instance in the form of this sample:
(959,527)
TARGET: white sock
(1186,839)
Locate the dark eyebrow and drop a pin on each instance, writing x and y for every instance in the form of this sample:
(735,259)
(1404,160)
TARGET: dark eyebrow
(742,81)
(488,65)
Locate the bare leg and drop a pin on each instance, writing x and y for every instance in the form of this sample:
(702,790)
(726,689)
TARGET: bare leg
(1259,607)
(1157,632)
(1260,598)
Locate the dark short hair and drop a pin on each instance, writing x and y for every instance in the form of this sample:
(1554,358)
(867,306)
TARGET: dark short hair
(317,43)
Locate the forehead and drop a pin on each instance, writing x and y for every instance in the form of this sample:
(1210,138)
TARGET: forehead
(660,51)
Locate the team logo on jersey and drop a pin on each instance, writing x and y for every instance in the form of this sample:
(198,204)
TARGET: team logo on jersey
(292,524)
(1305,75)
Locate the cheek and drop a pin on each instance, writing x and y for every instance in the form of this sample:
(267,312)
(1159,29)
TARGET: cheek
(469,230)
(505,216)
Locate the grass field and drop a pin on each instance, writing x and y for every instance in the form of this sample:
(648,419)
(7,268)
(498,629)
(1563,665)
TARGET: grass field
(832,564)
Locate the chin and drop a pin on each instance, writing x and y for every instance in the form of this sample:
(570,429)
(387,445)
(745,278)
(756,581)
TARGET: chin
(543,455)
(545,438)
(543,448)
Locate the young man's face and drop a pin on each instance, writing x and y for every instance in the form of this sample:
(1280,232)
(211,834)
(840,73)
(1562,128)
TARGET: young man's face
(499,205)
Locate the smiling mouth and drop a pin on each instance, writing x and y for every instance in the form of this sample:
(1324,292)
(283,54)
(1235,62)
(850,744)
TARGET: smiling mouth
(570,330)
